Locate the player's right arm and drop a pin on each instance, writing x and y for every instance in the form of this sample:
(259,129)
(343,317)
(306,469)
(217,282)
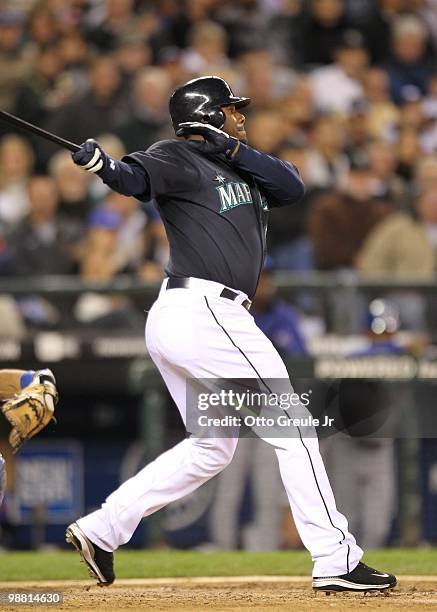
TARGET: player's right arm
(127,179)
(162,169)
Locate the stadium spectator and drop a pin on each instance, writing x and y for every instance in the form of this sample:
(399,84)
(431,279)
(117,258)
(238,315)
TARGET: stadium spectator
(100,261)
(426,207)
(267,131)
(382,161)
(286,30)
(115,20)
(16,165)
(170,60)
(133,54)
(104,106)
(398,248)
(39,95)
(128,250)
(156,248)
(207,49)
(149,120)
(382,114)
(44,241)
(358,134)
(264,82)
(337,87)
(299,109)
(409,66)
(31,102)
(377,28)
(73,54)
(14,62)
(73,187)
(246,24)
(425,176)
(321,31)
(409,151)
(338,222)
(183,16)
(43,27)
(327,164)
(427,10)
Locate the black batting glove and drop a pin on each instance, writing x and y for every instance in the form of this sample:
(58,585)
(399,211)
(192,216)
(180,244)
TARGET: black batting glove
(91,156)
(216,141)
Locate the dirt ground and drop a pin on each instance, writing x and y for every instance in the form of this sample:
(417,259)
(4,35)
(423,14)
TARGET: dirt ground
(261,593)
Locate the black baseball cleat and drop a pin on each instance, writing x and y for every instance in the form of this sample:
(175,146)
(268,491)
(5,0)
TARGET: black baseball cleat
(99,562)
(361,579)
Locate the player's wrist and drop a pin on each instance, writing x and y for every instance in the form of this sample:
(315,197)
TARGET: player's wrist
(91,157)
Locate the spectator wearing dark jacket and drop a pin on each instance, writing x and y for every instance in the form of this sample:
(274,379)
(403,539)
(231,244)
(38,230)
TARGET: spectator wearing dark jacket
(149,119)
(43,242)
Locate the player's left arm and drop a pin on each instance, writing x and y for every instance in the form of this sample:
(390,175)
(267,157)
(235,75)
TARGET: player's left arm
(279,180)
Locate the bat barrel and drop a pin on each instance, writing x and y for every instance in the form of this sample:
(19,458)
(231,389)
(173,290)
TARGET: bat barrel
(29,127)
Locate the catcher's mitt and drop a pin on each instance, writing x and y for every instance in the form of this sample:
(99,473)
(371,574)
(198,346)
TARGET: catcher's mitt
(31,409)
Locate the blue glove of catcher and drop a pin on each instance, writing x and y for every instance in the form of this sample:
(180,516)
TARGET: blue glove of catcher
(91,156)
(216,141)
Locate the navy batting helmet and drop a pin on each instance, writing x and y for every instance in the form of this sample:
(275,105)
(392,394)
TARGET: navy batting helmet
(202,100)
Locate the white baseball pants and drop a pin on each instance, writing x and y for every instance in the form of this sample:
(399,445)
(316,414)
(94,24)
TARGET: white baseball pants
(194,333)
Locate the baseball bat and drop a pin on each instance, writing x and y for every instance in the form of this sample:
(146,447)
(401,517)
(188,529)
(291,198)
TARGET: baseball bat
(29,127)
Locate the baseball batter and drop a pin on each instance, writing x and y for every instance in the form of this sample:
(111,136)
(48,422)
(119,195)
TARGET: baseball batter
(214,193)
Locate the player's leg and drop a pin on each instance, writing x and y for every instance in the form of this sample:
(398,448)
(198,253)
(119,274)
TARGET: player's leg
(193,335)
(172,475)
(323,529)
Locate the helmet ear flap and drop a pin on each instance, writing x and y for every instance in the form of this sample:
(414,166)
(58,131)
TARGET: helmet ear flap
(215,117)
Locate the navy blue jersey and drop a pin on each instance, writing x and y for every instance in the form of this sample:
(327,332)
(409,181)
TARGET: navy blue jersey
(214,209)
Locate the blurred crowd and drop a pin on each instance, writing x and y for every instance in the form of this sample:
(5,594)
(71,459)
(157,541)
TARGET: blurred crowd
(345,89)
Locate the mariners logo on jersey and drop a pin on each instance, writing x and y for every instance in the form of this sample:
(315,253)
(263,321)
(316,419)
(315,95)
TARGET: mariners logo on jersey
(232,193)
